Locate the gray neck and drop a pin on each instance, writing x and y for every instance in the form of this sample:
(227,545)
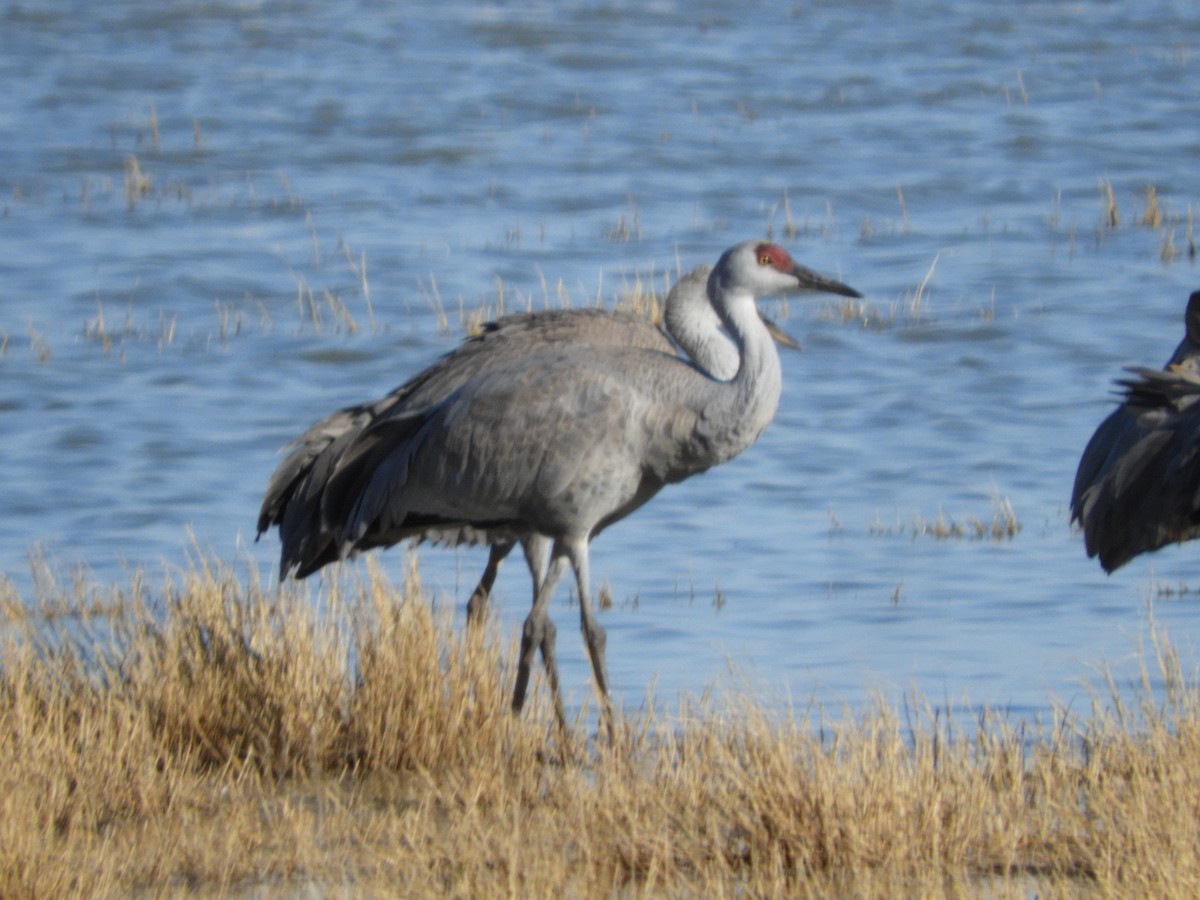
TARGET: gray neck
(699,334)
(742,408)
(696,328)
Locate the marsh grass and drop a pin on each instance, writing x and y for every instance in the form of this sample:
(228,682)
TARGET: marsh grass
(639,296)
(626,230)
(1001,525)
(37,344)
(864,313)
(790,229)
(138,184)
(913,310)
(1156,216)
(1112,213)
(636,296)
(342,308)
(223,738)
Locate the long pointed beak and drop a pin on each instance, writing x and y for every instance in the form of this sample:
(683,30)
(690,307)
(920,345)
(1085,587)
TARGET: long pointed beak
(811,281)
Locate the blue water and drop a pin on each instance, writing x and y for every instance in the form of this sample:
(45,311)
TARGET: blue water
(159,343)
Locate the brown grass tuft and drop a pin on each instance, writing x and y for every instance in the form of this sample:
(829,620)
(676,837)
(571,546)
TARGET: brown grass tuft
(228,739)
(1112,215)
(639,297)
(1152,215)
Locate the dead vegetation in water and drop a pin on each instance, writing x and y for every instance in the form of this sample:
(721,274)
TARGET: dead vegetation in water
(913,309)
(626,230)
(330,291)
(637,296)
(1156,216)
(863,313)
(1001,525)
(223,738)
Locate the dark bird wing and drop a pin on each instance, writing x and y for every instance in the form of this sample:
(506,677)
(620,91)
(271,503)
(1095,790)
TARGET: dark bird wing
(1138,487)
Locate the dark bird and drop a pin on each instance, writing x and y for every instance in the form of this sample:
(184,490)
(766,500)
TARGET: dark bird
(1138,484)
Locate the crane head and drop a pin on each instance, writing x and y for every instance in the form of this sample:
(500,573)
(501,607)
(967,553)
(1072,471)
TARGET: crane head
(775,257)
(763,269)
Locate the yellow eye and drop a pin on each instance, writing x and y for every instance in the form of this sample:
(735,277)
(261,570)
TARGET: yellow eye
(764,259)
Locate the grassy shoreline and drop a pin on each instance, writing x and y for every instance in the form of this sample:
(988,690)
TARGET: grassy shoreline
(220,738)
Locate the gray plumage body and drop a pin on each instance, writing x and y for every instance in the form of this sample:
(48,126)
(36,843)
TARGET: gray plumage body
(299,497)
(552,444)
(1136,485)
(296,493)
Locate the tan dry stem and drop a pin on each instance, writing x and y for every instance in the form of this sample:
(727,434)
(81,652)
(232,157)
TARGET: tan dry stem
(229,739)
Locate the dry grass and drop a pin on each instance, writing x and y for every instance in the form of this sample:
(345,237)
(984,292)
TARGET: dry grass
(1112,215)
(1155,216)
(624,230)
(639,297)
(221,738)
(863,313)
(913,310)
(1003,524)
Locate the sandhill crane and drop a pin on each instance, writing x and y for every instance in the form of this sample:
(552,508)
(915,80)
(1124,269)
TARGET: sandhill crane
(688,318)
(1137,482)
(551,446)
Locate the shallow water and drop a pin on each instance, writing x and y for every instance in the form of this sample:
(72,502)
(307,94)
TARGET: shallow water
(160,341)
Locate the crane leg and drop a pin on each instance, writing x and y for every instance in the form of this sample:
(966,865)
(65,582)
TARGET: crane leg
(538,632)
(594,635)
(478,603)
(537,557)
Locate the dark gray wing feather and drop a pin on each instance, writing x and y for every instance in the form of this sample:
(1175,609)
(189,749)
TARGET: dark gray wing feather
(332,493)
(1143,494)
